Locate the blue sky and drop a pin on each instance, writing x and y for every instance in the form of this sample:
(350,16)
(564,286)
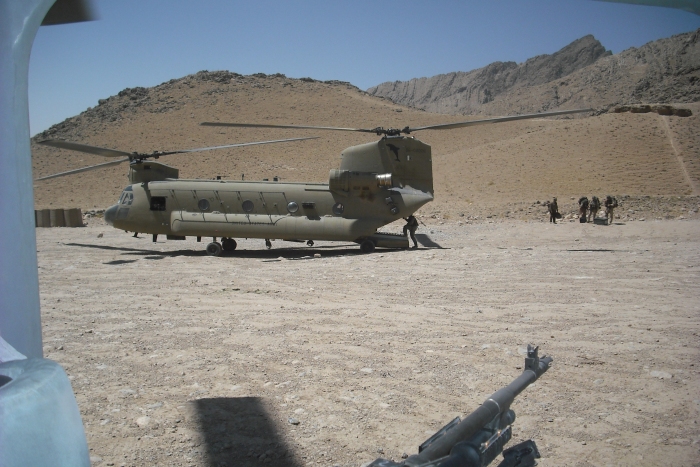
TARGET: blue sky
(147,42)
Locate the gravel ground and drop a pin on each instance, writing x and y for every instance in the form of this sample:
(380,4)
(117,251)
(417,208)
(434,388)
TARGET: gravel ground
(323,356)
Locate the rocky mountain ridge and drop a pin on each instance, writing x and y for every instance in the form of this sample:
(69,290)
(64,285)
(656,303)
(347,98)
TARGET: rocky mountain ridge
(582,74)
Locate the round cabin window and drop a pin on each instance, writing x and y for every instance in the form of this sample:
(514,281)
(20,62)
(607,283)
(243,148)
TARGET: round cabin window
(248,205)
(203,204)
(338,209)
(292,207)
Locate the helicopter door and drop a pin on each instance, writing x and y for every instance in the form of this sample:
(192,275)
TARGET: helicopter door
(275,204)
(160,205)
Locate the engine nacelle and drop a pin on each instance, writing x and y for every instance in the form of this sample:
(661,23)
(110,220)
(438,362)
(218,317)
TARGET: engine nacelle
(345,181)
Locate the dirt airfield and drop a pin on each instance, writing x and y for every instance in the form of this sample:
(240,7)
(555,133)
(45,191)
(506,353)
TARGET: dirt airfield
(324,356)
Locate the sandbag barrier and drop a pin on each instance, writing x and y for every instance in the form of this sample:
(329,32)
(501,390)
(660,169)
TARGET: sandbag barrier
(59,217)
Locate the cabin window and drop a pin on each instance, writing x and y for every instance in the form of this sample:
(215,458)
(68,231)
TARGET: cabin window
(157,203)
(203,204)
(292,207)
(338,209)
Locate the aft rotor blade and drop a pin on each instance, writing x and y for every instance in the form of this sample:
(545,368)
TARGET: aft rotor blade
(104,152)
(449,126)
(236,145)
(296,127)
(84,169)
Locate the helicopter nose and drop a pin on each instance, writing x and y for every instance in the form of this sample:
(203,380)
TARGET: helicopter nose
(111,214)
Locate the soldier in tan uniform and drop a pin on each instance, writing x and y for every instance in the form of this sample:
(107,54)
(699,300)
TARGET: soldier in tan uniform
(582,208)
(553,211)
(610,205)
(593,208)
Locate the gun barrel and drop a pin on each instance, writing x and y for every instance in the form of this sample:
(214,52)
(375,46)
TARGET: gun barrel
(498,403)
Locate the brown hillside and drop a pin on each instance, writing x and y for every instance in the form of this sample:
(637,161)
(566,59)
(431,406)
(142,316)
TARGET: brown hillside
(492,168)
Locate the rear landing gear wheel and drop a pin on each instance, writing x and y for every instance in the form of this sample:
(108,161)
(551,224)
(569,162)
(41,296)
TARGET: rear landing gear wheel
(268,244)
(214,249)
(228,244)
(367,246)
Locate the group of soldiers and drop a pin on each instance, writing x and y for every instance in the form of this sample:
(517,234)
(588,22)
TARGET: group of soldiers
(587,209)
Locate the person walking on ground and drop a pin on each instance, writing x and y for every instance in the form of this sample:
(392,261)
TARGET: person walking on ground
(553,211)
(610,205)
(411,226)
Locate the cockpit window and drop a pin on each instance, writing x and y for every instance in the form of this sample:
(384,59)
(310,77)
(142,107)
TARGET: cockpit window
(126,198)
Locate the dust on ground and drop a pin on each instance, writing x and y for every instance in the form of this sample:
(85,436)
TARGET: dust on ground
(324,356)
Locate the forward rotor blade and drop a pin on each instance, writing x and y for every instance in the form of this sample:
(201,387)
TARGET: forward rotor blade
(296,127)
(84,169)
(104,152)
(449,126)
(236,145)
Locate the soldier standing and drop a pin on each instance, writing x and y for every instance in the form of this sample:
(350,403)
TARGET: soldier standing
(610,204)
(593,208)
(411,226)
(582,208)
(553,210)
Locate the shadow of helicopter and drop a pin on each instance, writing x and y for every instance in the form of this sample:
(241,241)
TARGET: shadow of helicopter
(138,251)
(593,250)
(287,253)
(238,431)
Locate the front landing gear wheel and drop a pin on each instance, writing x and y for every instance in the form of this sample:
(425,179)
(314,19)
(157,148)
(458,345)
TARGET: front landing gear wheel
(268,244)
(310,243)
(214,249)
(228,244)
(367,246)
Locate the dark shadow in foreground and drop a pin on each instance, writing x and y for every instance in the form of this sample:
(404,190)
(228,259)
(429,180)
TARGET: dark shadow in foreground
(239,432)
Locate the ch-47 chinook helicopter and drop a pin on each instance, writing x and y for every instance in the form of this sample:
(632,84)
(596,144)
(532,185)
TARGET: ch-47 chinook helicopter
(377,183)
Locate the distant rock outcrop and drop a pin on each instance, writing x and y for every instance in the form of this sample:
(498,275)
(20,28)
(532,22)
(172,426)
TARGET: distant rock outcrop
(582,74)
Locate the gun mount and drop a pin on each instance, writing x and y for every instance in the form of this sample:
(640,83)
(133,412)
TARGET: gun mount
(478,438)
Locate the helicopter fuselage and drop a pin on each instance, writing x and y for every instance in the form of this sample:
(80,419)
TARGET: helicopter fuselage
(272,210)
(376,184)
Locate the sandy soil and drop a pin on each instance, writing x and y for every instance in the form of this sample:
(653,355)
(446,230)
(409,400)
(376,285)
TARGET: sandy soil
(177,358)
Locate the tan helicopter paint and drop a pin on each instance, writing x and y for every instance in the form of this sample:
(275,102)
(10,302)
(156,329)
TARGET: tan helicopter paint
(377,183)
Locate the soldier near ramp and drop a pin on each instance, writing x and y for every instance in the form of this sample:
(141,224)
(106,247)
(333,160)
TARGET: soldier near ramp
(593,208)
(553,211)
(582,209)
(411,226)
(610,205)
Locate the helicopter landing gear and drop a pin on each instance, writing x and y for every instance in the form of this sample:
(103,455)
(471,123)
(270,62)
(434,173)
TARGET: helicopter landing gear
(367,246)
(268,244)
(310,243)
(214,249)
(228,244)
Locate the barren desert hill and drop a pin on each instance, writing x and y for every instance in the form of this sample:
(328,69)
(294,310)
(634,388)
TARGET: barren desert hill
(582,74)
(499,170)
